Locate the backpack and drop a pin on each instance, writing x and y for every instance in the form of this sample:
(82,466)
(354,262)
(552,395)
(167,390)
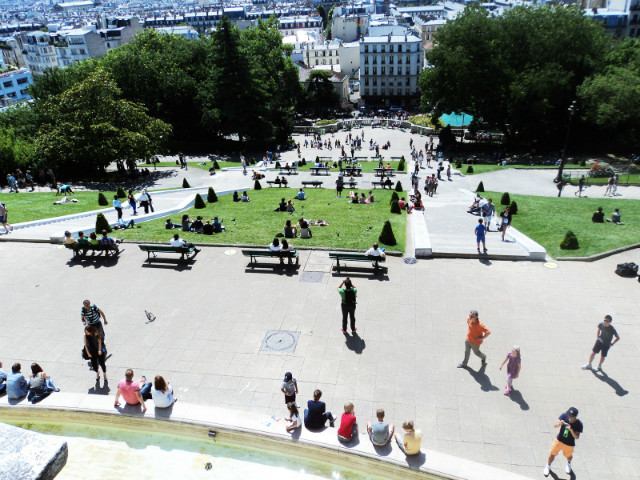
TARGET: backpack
(628,269)
(349,296)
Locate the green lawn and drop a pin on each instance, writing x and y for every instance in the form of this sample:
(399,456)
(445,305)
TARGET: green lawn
(256,223)
(26,207)
(633,179)
(547,219)
(491,168)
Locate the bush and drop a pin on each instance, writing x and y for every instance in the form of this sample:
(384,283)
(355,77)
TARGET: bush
(394,197)
(277,164)
(506,199)
(211,195)
(513,208)
(303,161)
(257,186)
(480,187)
(102,224)
(216,165)
(386,236)
(185,184)
(121,193)
(317,159)
(395,207)
(469,169)
(458,164)
(583,163)
(399,188)
(402,166)
(199,202)
(102,200)
(570,241)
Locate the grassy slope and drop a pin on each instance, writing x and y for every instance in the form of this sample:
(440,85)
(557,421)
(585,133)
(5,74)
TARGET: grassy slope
(256,222)
(547,219)
(491,168)
(25,207)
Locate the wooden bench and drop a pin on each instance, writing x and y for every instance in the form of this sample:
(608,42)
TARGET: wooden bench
(384,172)
(81,249)
(289,171)
(312,183)
(317,170)
(271,183)
(356,257)
(348,184)
(381,184)
(355,171)
(266,253)
(154,249)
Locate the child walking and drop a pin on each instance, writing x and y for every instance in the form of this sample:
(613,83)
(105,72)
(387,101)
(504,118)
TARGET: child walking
(480,237)
(513,367)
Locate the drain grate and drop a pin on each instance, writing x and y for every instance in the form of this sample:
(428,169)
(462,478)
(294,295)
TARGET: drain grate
(312,277)
(282,341)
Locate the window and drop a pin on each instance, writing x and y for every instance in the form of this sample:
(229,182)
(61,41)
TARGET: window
(375,82)
(82,51)
(366,70)
(401,49)
(8,84)
(366,60)
(408,82)
(366,91)
(391,60)
(390,70)
(406,60)
(22,81)
(375,70)
(366,49)
(366,82)
(383,72)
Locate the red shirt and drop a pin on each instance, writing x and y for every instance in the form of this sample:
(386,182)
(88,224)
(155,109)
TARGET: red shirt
(346,425)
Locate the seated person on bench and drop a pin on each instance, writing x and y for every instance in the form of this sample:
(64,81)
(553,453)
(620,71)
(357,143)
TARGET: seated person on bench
(598,216)
(93,239)
(286,247)
(375,251)
(108,242)
(387,183)
(283,181)
(176,241)
(68,239)
(82,239)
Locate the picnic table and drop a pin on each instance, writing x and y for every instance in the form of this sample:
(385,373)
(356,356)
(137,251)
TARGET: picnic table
(384,172)
(351,170)
(319,170)
(289,170)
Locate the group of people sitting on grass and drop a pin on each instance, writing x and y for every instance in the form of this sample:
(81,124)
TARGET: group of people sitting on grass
(17,386)
(107,242)
(362,199)
(206,227)
(598,217)
(241,198)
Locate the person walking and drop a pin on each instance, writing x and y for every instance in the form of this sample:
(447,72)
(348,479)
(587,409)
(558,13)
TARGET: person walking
(570,430)
(348,294)
(476,334)
(487,212)
(289,388)
(90,315)
(94,348)
(144,201)
(132,201)
(604,335)
(580,186)
(4,215)
(480,236)
(513,367)
(505,221)
(118,206)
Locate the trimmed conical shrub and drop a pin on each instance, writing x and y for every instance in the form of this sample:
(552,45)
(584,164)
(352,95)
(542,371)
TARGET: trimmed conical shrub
(199,202)
(394,197)
(570,241)
(386,236)
(121,193)
(458,164)
(303,161)
(399,187)
(185,184)
(211,195)
(513,208)
(506,199)
(102,200)
(402,166)
(480,187)
(216,165)
(395,207)
(469,169)
(102,224)
(277,165)
(257,186)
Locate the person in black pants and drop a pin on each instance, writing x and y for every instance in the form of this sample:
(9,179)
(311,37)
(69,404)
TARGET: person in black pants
(316,415)
(93,346)
(348,294)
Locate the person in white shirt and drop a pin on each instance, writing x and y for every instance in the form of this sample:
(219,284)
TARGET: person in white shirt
(293,421)
(162,393)
(275,246)
(176,241)
(375,251)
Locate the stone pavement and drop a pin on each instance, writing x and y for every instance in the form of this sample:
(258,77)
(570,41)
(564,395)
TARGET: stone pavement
(213,315)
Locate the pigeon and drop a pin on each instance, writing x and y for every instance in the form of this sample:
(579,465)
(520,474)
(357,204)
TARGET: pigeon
(150,317)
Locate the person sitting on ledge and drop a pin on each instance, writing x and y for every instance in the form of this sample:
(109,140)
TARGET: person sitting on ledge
(410,442)
(17,384)
(598,216)
(615,217)
(380,432)
(316,415)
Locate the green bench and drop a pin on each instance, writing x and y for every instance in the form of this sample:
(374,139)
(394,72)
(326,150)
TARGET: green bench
(314,184)
(356,257)
(154,249)
(266,253)
(81,249)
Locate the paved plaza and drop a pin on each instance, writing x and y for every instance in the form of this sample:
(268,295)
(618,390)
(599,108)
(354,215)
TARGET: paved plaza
(213,315)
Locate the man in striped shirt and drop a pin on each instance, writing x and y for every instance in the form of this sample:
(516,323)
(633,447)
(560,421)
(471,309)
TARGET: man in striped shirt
(90,315)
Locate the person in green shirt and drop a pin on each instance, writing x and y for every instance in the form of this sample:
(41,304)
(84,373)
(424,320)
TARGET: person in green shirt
(82,239)
(348,295)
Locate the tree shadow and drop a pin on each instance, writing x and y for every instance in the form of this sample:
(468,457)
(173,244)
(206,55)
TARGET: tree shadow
(620,391)
(517,397)
(354,342)
(482,378)
(98,390)
(131,183)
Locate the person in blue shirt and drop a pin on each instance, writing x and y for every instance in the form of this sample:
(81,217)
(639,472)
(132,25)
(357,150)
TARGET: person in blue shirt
(17,385)
(118,206)
(301,195)
(3,379)
(480,236)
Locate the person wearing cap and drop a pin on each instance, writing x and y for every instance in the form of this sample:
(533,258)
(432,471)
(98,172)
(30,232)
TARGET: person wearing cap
(476,334)
(289,388)
(570,430)
(604,335)
(513,367)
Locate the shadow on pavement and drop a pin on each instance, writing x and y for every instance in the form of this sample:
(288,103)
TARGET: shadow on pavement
(620,391)
(416,461)
(173,264)
(383,451)
(95,261)
(367,274)
(164,412)
(517,397)
(128,409)
(354,342)
(565,476)
(98,390)
(485,261)
(482,378)
(289,270)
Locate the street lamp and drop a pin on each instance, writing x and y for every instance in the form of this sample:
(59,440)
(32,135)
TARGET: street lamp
(572,111)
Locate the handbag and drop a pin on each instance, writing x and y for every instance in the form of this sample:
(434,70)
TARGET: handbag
(84,354)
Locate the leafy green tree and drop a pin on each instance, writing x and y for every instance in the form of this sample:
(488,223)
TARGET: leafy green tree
(88,126)
(323,15)
(320,94)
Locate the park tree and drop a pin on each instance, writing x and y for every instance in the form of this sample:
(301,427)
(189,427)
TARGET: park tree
(518,72)
(89,126)
(320,94)
(323,15)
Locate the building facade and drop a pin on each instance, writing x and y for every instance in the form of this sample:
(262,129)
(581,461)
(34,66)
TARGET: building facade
(40,52)
(13,86)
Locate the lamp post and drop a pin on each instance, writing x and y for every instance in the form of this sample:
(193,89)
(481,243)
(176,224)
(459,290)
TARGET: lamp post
(572,111)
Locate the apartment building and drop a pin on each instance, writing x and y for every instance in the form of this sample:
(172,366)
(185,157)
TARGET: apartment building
(78,44)
(40,52)
(13,86)
(390,67)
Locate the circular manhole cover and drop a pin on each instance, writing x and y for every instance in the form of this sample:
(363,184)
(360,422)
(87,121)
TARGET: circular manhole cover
(280,341)
(550,265)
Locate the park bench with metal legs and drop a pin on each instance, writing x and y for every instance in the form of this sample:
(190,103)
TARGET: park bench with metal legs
(155,249)
(312,183)
(356,257)
(266,253)
(81,249)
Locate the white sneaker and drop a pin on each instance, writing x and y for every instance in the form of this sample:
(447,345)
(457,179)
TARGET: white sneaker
(586,366)
(546,471)
(568,469)
(598,368)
